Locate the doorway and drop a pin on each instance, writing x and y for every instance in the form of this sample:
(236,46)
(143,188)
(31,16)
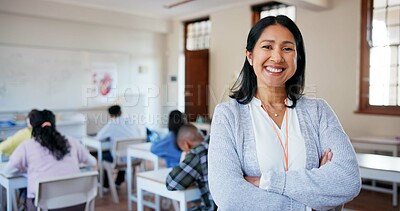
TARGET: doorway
(196,85)
(196,69)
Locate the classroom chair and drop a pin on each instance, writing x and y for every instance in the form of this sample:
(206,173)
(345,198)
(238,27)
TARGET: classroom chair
(67,191)
(119,148)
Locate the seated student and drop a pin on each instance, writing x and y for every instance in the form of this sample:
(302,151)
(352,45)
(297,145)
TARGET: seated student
(193,169)
(167,147)
(117,128)
(48,154)
(11,143)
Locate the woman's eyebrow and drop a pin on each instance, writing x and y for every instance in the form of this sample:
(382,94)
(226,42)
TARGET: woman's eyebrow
(288,42)
(268,41)
(273,41)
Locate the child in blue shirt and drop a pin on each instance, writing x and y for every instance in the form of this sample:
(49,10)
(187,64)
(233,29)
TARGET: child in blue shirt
(167,148)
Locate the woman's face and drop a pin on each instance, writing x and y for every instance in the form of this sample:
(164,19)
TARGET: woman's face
(274,57)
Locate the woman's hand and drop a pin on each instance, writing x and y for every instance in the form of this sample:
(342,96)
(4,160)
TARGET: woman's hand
(326,157)
(253,180)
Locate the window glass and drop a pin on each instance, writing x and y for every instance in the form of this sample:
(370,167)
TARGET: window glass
(198,35)
(384,54)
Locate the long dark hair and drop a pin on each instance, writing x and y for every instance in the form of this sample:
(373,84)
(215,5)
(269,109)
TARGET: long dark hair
(45,133)
(245,86)
(175,121)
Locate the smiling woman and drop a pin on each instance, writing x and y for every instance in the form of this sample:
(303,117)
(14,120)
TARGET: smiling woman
(272,148)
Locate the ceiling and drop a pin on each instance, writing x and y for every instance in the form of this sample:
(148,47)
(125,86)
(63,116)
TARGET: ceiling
(155,8)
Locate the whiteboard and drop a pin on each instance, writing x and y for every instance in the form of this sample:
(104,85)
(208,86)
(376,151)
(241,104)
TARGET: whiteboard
(39,77)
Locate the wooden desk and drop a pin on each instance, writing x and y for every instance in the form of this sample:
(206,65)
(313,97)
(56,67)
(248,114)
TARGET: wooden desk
(141,151)
(99,146)
(375,143)
(11,184)
(154,181)
(380,167)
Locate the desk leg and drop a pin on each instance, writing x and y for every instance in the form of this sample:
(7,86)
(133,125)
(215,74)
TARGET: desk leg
(139,196)
(157,202)
(9,199)
(183,204)
(394,195)
(100,166)
(157,197)
(129,186)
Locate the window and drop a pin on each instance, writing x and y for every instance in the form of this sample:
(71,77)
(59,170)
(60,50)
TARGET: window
(197,34)
(380,57)
(273,8)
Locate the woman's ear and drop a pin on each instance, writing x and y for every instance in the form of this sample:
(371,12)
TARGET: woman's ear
(249,56)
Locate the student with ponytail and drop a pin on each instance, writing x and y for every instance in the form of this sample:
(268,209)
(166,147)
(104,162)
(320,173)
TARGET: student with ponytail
(47,154)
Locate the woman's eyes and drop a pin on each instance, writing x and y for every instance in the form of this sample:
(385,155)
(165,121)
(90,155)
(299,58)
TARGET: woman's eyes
(285,49)
(268,47)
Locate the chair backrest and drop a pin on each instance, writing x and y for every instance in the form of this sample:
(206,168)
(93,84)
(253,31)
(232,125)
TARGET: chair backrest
(121,145)
(67,191)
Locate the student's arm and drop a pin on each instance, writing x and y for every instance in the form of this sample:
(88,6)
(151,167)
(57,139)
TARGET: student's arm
(333,184)
(228,187)
(184,175)
(103,134)
(160,147)
(83,154)
(17,162)
(10,170)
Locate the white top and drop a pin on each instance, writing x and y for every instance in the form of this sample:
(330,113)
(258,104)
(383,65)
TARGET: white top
(269,150)
(118,128)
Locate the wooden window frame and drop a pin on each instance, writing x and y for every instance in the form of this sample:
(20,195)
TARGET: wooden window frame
(366,35)
(185,25)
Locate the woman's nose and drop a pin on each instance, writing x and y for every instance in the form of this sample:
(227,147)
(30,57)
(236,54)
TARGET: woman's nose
(276,56)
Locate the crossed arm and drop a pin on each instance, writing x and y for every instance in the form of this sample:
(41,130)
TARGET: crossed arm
(325,158)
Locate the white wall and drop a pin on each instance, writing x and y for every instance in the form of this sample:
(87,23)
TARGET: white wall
(227,50)
(332,46)
(47,25)
(173,95)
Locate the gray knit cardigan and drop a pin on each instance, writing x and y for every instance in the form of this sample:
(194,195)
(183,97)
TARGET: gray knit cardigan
(232,155)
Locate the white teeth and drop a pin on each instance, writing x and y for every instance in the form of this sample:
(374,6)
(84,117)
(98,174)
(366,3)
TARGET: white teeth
(274,70)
